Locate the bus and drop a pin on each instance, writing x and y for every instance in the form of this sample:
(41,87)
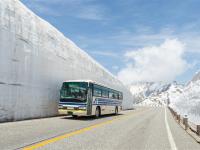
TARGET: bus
(88,98)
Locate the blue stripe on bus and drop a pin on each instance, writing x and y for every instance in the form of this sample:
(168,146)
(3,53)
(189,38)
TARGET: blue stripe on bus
(110,102)
(98,101)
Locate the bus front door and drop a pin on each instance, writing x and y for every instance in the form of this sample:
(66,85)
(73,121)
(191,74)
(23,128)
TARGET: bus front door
(89,102)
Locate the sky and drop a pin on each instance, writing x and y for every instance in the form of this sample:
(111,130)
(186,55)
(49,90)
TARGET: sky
(136,40)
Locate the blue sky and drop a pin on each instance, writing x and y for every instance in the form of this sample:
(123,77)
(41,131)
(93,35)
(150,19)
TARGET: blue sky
(121,33)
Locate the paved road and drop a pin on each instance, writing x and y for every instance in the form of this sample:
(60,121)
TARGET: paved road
(140,129)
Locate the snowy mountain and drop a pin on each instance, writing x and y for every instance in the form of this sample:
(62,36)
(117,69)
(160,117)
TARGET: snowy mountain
(185,99)
(144,90)
(174,91)
(196,77)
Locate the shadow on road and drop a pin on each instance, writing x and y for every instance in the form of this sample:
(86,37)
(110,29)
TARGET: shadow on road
(89,118)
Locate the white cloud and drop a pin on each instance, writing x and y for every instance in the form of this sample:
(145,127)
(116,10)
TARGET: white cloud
(157,63)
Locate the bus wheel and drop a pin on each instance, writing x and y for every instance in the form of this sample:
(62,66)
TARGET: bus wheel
(97,112)
(116,110)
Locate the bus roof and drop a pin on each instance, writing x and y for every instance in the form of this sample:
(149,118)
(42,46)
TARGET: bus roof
(80,81)
(90,81)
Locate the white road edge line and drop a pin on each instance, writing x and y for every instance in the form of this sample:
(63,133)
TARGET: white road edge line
(170,137)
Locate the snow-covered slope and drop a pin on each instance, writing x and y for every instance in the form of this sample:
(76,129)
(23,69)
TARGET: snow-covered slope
(35,58)
(186,101)
(145,90)
(196,77)
(174,92)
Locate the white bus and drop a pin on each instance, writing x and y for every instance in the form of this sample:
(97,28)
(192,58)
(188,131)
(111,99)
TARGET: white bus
(88,98)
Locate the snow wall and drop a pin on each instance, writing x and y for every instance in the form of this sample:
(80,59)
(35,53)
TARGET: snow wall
(186,100)
(35,58)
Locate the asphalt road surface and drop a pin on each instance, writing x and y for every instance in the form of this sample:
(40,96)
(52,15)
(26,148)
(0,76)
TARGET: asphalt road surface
(139,129)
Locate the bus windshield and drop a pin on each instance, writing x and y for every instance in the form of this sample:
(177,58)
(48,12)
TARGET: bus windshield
(74,91)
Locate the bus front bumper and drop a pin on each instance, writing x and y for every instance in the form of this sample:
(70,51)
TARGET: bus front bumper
(72,112)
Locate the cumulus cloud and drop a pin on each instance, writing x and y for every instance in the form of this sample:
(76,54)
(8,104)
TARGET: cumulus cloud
(155,64)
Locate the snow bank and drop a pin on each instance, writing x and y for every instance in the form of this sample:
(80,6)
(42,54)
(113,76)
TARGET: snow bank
(35,58)
(186,101)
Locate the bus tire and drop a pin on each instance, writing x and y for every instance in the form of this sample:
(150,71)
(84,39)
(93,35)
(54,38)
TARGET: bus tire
(116,110)
(97,112)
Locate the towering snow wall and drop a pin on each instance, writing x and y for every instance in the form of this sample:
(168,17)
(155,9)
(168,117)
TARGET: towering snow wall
(35,59)
(186,100)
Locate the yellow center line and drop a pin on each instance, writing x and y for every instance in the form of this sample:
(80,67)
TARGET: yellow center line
(64,136)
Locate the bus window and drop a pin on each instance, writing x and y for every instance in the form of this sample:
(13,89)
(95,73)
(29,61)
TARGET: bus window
(97,92)
(120,96)
(74,90)
(115,95)
(111,94)
(105,93)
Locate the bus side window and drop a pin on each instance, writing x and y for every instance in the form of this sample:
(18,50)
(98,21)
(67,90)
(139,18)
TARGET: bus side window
(110,94)
(97,92)
(116,96)
(120,96)
(105,93)
(113,96)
